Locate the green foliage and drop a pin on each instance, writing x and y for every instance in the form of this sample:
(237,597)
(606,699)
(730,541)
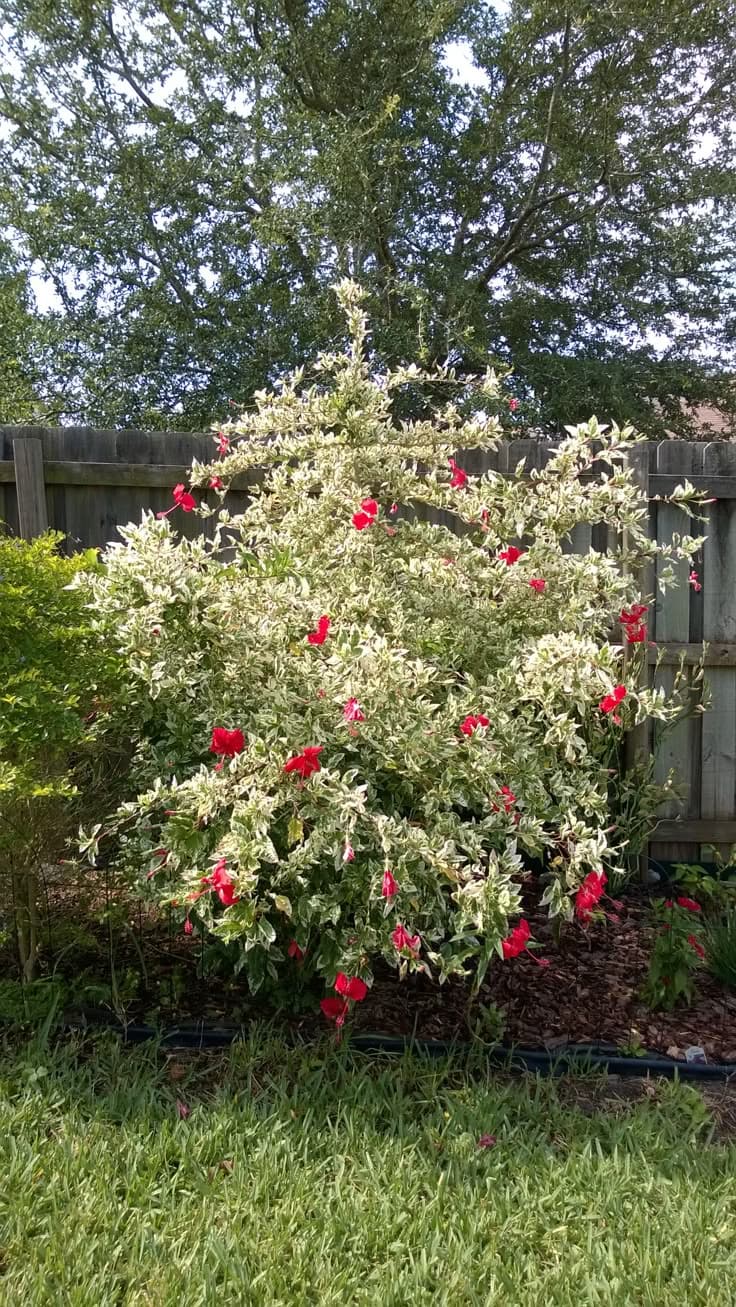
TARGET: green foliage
(720,947)
(676,955)
(191,179)
(427,628)
(716,888)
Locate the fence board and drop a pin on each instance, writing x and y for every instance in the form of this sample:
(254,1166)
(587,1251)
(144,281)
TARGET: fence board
(718,789)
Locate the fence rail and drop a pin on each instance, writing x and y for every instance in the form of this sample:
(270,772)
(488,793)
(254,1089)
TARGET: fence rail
(87,483)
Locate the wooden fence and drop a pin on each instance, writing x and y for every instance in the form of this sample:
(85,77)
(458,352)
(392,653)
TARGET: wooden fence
(86,483)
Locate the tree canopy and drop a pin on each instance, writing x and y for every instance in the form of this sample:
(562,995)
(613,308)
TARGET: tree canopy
(191,177)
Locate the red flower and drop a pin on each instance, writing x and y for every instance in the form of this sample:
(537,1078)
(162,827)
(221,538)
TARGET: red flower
(402,940)
(509,798)
(668,903)
(351,987)
(361,520)
(690,904)
(513,404)
(294,951)
(216,483)
(320,635)
(611,701)
(487,1141)
(223,444)
(632,616)
(589,894)
(394,508)
(694,582)
(459,477)
(188,927)
(182,499)
(695,943)
(389,885)
(516,942)
(511,555)
(227,743)
(348,853)
(636,634)
(538,583)
(352,712)
(306,762)
(222,883)
(472,722)
(335,1009)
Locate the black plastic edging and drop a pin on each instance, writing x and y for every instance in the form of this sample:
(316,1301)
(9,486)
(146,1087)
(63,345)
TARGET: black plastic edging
(579,1057)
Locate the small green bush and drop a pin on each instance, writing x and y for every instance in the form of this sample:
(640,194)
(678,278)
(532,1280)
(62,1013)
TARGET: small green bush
(720,948)
(52,672)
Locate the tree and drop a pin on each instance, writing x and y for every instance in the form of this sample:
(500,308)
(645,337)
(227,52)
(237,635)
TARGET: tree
(192,178)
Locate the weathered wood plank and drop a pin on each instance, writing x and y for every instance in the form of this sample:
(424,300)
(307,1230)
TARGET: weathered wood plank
(33,518)
(670,653)
(695,832)
(719,623)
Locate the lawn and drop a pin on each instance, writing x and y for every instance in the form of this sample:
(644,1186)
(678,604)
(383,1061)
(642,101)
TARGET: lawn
(313,1175)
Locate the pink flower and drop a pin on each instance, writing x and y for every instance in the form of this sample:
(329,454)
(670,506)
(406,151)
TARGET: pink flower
(323,629)
(695,944)
(294,951)
(335,1009)
(223,444)
(182,499)
(471,723)
(694,582)
(389,885)
(538,583)
(513,405)
(487,1141)
(689,904)
(403,941)
(306,762)
(361,520)
(511,555)
(459,477)
(351,987)
(222,883)
(352,712)
(516,942)
(394,508)
(589,894)
(182,1110)
(216,483)
(227,743)
(188,927)
(348,854)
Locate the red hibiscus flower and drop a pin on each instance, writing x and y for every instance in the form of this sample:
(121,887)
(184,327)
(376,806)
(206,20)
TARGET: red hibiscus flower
(323,629)
(182,499)
(459,477)
(610,702)
(306,762)
(538,583)
(351,987)
(403,941)
(222,883)
(690,904)
(513,405)
(509,798)
(632,616)
(223,444)
(516,942)
(389,885)
(227,743)
(472,722)
(694,582)
(636,634)
(352,712)
(335,1009)
(294,951)
(511,555)
(695,944)
(188,927)
(216,483)
(589,895)
(361,520)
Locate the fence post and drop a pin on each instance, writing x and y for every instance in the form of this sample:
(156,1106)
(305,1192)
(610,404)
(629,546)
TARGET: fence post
(30,487)
(636,744)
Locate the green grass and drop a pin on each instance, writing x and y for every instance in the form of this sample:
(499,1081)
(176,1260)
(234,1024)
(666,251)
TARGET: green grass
(316,1177)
